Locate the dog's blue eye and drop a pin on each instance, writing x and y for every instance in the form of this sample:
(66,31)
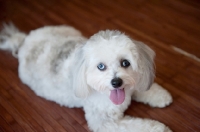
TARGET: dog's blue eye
(101,67)
(125,63)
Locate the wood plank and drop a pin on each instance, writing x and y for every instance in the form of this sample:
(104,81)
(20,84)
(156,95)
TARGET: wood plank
(16,115)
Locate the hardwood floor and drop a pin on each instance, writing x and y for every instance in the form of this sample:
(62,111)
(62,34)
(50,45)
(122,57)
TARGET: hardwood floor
(162,25)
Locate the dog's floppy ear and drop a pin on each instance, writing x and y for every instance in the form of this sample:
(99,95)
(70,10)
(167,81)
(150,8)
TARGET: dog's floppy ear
(145,63)
(81,89)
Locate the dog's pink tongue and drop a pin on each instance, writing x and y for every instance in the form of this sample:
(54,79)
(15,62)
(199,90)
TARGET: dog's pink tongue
(117,96)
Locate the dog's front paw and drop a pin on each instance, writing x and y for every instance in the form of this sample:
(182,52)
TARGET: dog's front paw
(160,97)
(155,97)
(142,125)
(159,127)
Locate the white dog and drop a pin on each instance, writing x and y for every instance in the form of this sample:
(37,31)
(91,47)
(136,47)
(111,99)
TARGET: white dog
(102,74)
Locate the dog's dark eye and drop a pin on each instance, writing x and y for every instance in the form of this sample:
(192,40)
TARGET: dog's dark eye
(125,63)
(101,67)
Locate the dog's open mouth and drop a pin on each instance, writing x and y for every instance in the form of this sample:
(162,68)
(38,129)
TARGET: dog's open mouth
(117,96)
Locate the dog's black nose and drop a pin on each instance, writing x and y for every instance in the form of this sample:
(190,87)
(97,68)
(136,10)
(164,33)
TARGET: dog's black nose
(116,82)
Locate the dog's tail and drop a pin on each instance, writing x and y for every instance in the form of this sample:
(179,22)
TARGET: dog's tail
(11,38)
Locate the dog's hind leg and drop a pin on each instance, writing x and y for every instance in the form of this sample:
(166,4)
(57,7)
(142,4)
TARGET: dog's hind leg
(156,96)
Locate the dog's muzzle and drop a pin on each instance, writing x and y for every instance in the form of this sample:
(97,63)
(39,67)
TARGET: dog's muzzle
(117,96)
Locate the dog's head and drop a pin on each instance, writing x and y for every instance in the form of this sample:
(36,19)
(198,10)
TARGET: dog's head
(112,62)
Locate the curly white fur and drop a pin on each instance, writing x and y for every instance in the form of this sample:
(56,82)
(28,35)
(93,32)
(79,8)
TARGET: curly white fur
(59,64)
